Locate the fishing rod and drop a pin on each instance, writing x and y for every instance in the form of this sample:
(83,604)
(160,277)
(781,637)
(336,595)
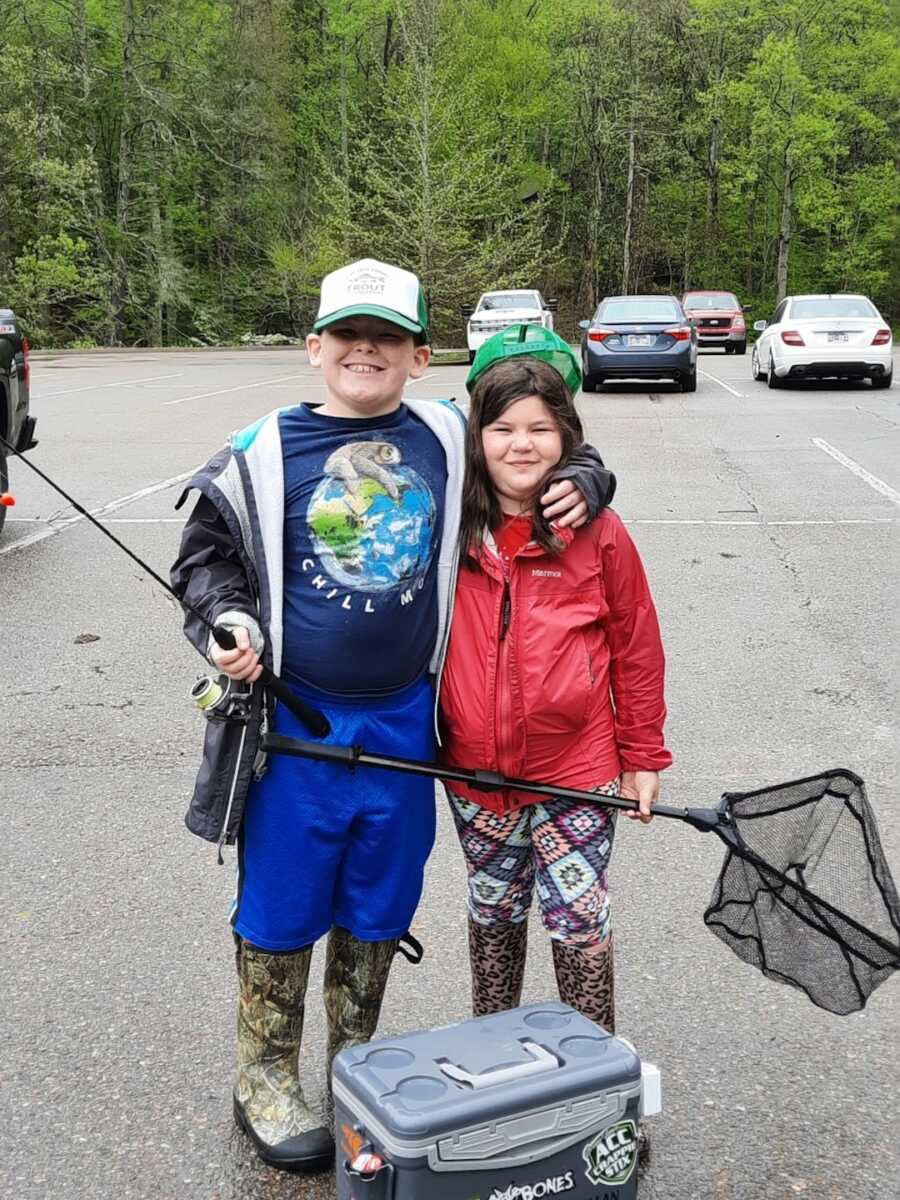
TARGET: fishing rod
(311,717)
(835,943)
(482,780)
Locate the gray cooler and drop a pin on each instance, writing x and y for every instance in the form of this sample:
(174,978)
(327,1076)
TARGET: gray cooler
(528,1104)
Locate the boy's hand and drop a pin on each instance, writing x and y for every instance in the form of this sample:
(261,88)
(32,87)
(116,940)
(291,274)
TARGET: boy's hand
(642,786)
(240,663)
(563,503)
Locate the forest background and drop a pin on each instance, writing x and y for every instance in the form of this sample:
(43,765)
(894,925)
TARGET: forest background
(185,171)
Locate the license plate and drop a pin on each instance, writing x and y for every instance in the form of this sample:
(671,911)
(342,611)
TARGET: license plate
(640,339)
(838,337)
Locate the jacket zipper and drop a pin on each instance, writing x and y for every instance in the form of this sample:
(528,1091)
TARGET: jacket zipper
(258,767)
(237,770)
(506,608)
(442,657)
(502,693)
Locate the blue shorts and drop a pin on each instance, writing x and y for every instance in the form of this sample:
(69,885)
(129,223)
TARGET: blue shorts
(321,845)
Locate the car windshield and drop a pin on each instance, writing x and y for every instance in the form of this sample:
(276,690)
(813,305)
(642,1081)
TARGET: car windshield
(832,306)
(710,300)
(509,300)
(646,309)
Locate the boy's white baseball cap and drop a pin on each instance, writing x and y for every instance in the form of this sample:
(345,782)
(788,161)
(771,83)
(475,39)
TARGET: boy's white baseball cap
(373,289)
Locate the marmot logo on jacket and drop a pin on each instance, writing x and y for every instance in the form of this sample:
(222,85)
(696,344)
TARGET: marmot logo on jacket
(547,574)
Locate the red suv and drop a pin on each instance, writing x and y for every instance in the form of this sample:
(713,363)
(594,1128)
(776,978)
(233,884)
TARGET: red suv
(719,319)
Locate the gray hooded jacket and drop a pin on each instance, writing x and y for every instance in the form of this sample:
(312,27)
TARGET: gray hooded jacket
(231,561)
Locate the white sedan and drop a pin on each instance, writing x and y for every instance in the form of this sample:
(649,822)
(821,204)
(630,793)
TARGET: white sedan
(839,336)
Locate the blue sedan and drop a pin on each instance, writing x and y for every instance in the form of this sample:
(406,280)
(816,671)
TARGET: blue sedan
(639,337)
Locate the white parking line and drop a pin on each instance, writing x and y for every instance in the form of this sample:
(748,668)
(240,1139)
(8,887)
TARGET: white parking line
(51,531)
(860,472)
(104,521)
(240,388)
(721,383)
(764,524)
(118,383)
(57,526)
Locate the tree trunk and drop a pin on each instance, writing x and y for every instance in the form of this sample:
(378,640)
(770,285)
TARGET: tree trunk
(159,267)
(751,233)
(594,219)
(629,214)
(712,191)
(784,227)
(388,43)
(171,307)
(123,176)
(345,146)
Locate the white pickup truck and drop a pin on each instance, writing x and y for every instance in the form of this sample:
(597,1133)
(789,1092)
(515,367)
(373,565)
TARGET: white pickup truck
(497,310)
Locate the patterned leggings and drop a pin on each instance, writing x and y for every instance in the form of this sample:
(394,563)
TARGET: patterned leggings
(562,845)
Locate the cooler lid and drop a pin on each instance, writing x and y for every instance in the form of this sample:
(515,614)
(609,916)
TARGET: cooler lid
(424,1084)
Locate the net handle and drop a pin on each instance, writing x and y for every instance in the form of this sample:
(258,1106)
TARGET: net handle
(704,819)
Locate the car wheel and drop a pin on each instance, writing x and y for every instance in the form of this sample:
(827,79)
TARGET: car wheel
(689,381)
(758,374)
(4,484)
(472,354)
(740,347)
(590,385)
(878,381)
(771,378)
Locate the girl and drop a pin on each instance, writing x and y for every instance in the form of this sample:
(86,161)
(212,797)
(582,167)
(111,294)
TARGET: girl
(554,671)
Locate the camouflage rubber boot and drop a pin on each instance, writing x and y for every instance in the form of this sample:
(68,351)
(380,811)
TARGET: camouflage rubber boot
(585,978)
(268,1099)
(356,975)
(497,961)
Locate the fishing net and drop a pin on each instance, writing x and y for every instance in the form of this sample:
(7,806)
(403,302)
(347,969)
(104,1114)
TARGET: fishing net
(805,894)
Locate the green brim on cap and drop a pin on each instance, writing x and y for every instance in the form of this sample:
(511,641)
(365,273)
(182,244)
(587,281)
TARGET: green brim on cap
(370,310)
(532,341)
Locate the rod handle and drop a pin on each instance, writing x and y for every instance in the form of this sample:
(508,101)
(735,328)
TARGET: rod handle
(276,743)
(224,637)
(314,720)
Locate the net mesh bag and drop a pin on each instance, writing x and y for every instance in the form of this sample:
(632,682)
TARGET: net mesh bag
(805,894)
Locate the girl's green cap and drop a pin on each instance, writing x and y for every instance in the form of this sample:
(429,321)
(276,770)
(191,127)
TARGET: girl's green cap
(533,341)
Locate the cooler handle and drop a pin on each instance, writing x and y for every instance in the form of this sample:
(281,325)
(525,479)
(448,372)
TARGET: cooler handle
(543,1061)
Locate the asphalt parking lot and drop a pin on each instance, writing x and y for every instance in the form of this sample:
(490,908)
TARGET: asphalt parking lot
(768,522)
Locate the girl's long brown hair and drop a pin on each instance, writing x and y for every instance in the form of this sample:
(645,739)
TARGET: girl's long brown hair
(499,387)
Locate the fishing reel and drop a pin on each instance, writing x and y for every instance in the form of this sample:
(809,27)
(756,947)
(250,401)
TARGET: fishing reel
(219,698)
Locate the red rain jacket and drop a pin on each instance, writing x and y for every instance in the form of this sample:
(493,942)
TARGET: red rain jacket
(555,666)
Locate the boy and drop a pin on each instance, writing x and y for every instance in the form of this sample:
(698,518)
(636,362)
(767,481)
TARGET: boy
(325,539)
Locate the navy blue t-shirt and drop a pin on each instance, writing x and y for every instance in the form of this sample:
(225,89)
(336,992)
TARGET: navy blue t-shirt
(364,510)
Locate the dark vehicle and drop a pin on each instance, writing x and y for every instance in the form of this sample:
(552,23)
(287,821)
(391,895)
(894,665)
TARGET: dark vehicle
(719,319)
(16,426)
(639,337)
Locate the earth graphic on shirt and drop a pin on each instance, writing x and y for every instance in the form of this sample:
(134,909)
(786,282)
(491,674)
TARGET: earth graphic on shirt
(373,534)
